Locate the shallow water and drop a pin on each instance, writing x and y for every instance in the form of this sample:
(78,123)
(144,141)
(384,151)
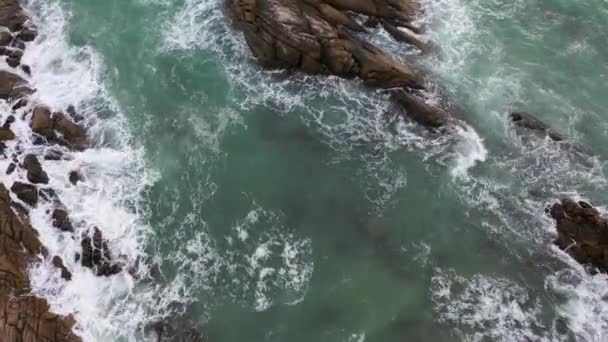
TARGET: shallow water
(303,208)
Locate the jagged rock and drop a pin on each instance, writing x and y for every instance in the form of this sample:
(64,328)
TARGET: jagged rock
(65,274)
(35,173)
(62,221)
(306,35)
(528,121)
(24,317)
(96,255)
(6,134)
(26,192)
(12,86)
(582,232)
(315,36)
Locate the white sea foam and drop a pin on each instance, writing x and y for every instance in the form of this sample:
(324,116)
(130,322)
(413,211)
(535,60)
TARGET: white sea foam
(105,308)
(487,308)
(469,151)
(263,264)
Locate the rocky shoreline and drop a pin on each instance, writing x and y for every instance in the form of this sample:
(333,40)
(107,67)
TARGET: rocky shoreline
(55,134)
(312,36)
(328,37)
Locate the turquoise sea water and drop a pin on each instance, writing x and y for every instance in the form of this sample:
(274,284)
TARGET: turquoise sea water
(293,208)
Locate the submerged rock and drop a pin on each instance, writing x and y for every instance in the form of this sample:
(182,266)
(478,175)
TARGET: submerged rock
(96,255)
(582,232)
(528,121)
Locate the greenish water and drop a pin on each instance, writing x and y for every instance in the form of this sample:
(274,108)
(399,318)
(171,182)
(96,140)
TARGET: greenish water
(306,209)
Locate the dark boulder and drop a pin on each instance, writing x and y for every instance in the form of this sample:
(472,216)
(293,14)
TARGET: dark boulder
(26,192)
(35,173)
(62,221)
(41,121)
(582,232)
(75,177)
(11,168)
(12,62)
(26,69)
(13,86)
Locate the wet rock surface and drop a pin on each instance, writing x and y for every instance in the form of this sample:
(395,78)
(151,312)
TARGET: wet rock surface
(319,37)
(582,233)
(24,317)
(96,254)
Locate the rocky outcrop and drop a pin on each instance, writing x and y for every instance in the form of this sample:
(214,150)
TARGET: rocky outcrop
(57,128)
(582,233)
(321,37)
(24,317)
